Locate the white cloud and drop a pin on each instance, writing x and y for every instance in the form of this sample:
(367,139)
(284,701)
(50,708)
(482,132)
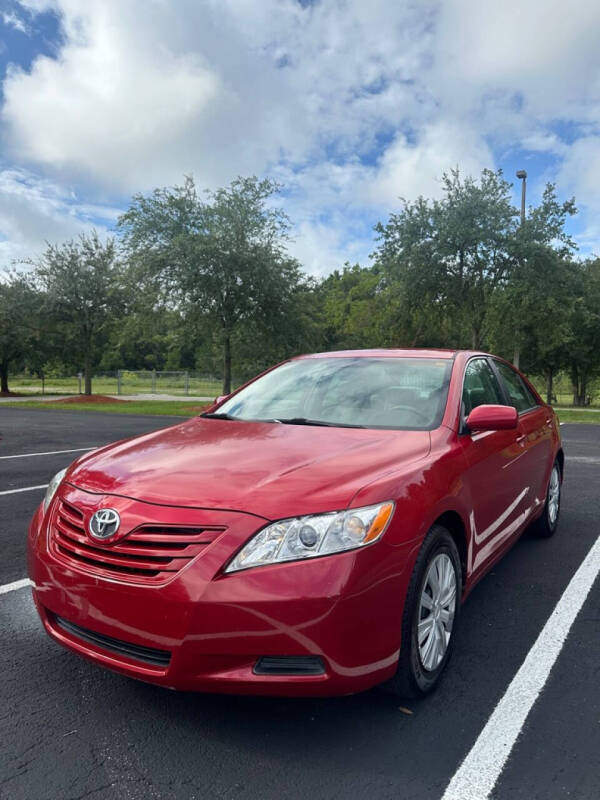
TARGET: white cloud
(106,108)
(517,64)
(350,104)
(34,211)
(409,169)
(580,171)
(323,247)
(144,92)
(11,20)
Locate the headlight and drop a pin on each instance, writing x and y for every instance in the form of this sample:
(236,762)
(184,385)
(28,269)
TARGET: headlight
(315,535)
(52,487)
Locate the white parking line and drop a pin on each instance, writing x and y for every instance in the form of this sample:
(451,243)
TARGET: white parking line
(48,453)
(478,773)
(24,489)
(12,587)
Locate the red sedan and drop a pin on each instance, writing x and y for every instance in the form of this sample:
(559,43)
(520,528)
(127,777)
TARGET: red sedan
(314,533)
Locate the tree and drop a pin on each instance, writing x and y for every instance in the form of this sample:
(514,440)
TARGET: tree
(540,240)
(19,323)
(83,284)
(543,290)
(584,348)
(351,309)
(451,254)
(226,254)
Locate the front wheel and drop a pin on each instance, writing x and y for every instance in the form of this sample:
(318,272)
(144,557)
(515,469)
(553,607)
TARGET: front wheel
(547,524)
(430,615)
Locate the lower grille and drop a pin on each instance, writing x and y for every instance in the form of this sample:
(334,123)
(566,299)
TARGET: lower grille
(289,665)
(148,655)
(149,554)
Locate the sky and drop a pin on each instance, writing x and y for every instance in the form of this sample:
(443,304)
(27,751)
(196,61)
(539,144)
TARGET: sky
(350,104)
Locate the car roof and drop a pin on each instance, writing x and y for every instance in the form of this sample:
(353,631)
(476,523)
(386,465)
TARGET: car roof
(385,353)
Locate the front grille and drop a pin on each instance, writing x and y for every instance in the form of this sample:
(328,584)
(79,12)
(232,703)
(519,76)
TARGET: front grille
(149,655)
(149,554)
(289,665)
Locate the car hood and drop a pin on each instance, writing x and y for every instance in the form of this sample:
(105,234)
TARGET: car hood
(267,469)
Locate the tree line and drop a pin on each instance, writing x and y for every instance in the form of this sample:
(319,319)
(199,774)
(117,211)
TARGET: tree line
(206,282)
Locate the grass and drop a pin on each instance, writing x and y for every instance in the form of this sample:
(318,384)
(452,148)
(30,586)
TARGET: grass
(130,384)
(191,409)
(150,407)
(578,415)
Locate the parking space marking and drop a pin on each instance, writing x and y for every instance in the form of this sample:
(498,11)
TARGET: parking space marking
(49,453)
(477,775)
(25,489)
(12,587)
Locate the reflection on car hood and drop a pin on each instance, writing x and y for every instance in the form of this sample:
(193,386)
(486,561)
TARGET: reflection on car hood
(267,469)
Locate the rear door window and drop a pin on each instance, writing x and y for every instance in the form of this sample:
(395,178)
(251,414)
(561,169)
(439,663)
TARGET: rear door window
(519,395)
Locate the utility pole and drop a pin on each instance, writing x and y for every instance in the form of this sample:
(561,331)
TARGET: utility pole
(522,176)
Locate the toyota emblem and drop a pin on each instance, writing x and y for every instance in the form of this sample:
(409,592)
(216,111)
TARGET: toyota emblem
(104,523)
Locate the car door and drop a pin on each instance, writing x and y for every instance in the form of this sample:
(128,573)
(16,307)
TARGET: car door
(535,432)
(494,468)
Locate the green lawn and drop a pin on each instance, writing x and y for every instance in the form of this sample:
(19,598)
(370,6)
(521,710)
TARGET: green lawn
(578,415)
(190,409)
(151,407)
(131,383)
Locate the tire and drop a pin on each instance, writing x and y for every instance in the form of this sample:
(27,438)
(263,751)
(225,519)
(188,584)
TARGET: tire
(419,669)
(546,525)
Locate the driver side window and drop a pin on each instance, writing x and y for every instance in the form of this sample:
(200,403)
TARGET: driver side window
(480,387)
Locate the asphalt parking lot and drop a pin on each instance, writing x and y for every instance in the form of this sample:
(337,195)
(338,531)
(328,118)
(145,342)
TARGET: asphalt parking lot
(71,730)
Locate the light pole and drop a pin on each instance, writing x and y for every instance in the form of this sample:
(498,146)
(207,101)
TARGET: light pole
(522,176)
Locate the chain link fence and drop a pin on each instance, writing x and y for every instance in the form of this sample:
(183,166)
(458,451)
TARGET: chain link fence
(197,384)
(125,382)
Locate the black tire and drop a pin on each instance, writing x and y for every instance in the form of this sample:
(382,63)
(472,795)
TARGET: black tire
(547,524)
(412,679)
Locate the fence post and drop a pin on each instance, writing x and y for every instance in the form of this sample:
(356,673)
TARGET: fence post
(79,377)
(153,381)
(118,381)
(187,382)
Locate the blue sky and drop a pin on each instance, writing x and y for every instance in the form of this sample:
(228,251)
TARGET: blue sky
(349,104)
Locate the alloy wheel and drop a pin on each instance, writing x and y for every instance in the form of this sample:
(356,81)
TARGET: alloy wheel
(436,611)
(553,495)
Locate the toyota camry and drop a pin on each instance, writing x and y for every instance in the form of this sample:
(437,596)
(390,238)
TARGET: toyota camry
(313,533)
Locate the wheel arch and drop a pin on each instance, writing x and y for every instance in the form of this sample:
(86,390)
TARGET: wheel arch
(453,522)
(560,457)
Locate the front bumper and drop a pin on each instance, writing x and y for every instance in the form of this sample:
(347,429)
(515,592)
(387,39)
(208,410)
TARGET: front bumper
(345,609)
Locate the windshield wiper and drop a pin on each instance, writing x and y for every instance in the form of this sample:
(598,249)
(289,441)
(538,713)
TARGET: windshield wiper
(305,421)
(289,421)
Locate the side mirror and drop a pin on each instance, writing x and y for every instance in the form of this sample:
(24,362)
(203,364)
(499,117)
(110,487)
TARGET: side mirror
(492,418)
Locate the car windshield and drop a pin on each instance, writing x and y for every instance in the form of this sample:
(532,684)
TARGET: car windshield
(385,392)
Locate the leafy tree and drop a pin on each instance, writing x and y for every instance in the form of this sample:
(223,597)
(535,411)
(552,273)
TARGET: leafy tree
(299,330)
(226,254)
(450,255)
(543,290)
(84,297)
(584,347)
(352,311)
(20,335)
(540,240)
